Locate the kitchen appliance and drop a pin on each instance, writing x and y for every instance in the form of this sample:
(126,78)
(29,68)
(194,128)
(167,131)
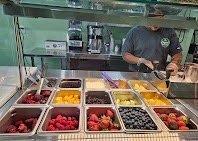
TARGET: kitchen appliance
(95,38)
(75,35)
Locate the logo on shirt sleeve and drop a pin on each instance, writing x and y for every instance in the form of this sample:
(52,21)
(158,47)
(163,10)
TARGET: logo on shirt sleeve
(165,42)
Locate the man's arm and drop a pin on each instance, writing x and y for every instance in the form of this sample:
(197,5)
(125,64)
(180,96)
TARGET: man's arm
(128,49)
(177,58)
(175,51)
(129,58)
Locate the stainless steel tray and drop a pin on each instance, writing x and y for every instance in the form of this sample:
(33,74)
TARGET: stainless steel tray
(93,80)
(19,103)
(99,94)
(117,89)
(21,113)
(127,94)
(69,104)
(45,85)
(155,95)
(145,83)
(179,111)
(139,130)
(100,110)
(54,111)
(71,80)
(160,85)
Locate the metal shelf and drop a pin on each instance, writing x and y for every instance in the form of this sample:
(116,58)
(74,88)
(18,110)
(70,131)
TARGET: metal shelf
(90,15)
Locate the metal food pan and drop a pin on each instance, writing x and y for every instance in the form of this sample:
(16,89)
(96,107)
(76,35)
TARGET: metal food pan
(99,94)
(126,95)
(143,83)
(175,109)
(52,112)
(160,85)
(73,81)
(155,95)
(100,110)
(45,84)
(19,113)
(127,87)
(139,130)
(19,100)
(94,80)
(69,104)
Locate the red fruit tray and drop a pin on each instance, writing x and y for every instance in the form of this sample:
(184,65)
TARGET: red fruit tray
(20,120)
(175,118)
(19,102)
(60,115)
(101,112)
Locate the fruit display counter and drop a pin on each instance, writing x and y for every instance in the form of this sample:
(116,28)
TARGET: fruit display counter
(87,107)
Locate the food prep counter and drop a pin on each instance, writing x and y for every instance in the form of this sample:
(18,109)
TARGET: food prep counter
(80,105)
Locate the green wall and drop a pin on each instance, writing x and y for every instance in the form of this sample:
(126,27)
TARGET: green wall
(7,41)
(36,31)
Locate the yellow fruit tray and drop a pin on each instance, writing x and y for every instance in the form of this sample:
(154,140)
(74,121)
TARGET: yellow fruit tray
(67,97)
(155,99)
(126,98)
(141,86)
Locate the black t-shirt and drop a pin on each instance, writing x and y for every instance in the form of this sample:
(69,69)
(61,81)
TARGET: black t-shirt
(151,45)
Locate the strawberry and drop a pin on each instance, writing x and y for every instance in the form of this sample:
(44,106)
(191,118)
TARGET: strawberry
(95,127)
(181,123)
(22,128)
(109,113)
(169,120)
(94,117)
(183,128)
(18,123)
(163,117)
(11,129)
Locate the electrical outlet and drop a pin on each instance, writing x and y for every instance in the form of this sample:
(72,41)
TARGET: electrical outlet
(58,45)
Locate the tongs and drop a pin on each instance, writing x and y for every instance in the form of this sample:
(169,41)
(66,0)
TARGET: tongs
(108,78)
(160,75)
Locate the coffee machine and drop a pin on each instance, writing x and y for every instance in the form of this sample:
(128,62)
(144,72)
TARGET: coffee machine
(95,38)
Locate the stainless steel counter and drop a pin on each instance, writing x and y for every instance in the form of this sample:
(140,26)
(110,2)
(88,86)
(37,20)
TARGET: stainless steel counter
(162,136)
(42,52)
(65,56)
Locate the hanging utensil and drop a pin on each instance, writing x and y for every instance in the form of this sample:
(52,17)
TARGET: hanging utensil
(108,78)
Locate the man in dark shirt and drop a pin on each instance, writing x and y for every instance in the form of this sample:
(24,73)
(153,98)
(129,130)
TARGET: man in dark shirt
(147,44)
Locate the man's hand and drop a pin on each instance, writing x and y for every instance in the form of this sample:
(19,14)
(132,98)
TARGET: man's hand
(173,67)
(146,62)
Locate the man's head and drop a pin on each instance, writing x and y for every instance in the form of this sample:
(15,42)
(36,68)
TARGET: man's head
(157,14)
